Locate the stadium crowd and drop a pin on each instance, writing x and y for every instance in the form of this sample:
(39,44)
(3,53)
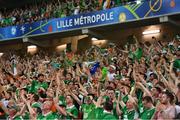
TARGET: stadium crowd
(139,81)
(47,9)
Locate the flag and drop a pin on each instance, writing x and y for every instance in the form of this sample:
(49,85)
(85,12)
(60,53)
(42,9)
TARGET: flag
(94,68)
(104,73)
(138,53)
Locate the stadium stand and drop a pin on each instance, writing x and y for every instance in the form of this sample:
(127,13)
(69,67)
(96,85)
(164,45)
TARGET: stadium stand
(55,9)
(98,72)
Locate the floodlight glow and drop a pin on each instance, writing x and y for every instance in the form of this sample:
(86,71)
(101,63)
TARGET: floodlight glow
(151,32)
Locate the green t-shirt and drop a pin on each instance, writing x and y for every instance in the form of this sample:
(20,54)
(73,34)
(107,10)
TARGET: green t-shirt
(36,105)
(99,113)
(136,55)
(95,114)
(62,100)
(108,116)
(145,114)
(86,109)
(114,110)
(26,116)
(128,115)
(48,116)
(73,110)
(18,118)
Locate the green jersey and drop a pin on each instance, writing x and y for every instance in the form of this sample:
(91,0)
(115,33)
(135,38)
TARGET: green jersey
(48,116)
(73,110)
(145,113)
(128,115)
(100,113)
(114,110)
(15,118)
(86,109)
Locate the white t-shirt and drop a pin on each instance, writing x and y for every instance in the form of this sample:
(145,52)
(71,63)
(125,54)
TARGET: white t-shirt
(5,102)
(111,76)
(169,113)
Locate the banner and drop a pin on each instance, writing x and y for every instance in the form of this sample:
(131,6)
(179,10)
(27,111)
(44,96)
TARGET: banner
(148,9)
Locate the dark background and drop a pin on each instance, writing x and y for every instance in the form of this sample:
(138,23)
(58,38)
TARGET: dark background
(10,4)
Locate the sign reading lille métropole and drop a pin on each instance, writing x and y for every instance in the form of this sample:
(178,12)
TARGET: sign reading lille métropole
(151,8)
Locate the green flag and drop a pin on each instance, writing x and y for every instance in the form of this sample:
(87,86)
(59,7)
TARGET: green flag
(138,53)
(104,73)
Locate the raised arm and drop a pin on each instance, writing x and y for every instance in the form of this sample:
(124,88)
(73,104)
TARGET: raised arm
(76,98)
(141,86)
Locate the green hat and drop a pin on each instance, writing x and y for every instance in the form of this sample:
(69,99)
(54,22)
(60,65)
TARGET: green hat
(36,105)
(62,101)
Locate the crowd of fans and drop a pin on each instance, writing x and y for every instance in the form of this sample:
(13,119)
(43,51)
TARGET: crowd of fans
(138,81)
(54,9)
